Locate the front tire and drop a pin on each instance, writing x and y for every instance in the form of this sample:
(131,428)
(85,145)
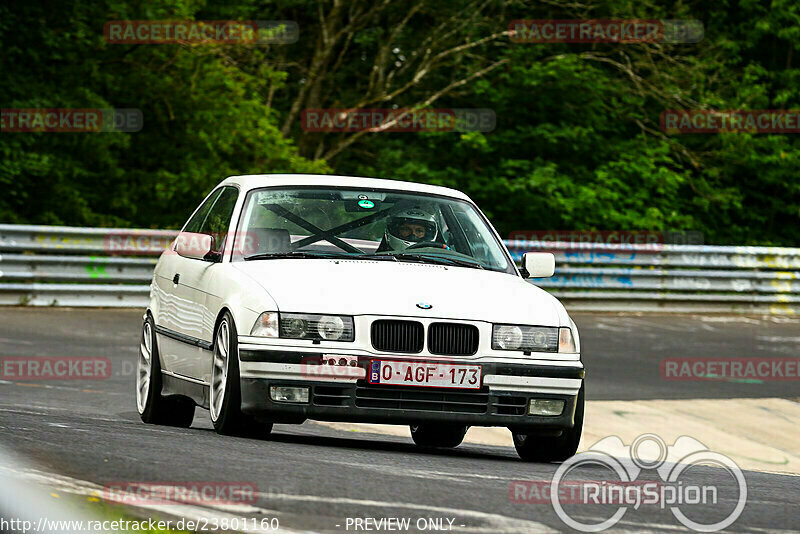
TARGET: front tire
(153,408)
(533,448)
(443,436)
(225,395)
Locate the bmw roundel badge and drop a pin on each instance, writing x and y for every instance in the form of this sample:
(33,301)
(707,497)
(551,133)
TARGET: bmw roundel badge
(424,306)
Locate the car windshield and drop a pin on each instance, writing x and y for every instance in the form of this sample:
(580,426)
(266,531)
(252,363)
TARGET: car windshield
(397,226)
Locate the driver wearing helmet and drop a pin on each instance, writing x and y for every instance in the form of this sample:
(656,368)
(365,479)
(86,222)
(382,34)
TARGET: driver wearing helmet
(409,227)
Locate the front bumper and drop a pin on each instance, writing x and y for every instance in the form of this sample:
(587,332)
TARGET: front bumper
(502,400)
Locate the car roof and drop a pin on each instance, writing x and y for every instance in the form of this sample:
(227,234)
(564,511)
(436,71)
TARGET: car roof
(254,181)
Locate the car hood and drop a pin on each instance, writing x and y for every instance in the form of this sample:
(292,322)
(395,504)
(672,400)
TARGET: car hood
(370,287)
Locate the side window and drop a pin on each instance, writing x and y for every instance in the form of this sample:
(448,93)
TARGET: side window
(219,218)
(199,216)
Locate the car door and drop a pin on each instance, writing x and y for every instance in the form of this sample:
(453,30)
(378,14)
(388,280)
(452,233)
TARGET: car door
(194,276)
(176,312)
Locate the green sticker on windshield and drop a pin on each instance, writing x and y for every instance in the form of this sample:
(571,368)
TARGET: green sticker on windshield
(366,204)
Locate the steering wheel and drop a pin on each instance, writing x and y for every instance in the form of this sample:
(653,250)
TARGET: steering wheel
(428,244)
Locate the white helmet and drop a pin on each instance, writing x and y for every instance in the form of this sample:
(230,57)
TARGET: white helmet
(397,234)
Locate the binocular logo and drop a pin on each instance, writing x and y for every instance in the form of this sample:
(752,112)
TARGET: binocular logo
(648,452)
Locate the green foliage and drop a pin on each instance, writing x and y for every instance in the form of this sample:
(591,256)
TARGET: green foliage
(577,143)
(204,119)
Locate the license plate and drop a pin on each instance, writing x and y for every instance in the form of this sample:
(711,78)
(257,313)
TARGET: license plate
(426,374)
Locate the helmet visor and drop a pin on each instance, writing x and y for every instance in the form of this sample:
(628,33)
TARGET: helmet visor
(413,230)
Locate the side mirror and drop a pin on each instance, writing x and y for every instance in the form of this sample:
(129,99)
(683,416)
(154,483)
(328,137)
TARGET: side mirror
(196,246)
(538,264)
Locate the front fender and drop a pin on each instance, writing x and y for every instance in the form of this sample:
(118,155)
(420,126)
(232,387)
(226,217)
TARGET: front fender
(241,295)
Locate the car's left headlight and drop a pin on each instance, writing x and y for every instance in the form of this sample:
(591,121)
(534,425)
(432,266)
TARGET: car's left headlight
(566,341)
(532,338)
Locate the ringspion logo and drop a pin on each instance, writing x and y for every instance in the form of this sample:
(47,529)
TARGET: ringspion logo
(688,502)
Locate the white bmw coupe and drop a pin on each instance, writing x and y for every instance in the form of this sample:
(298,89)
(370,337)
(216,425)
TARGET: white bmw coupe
(293,297)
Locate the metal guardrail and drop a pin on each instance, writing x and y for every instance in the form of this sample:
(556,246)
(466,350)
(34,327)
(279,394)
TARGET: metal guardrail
(112,267)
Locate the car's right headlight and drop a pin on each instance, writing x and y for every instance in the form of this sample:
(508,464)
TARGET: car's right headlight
(304,326)
(266,325)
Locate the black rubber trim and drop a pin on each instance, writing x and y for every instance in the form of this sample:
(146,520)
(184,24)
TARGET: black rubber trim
(276,356)
(540,371)
(184,338)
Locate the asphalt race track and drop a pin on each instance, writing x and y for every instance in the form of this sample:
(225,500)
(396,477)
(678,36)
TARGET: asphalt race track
(317,478)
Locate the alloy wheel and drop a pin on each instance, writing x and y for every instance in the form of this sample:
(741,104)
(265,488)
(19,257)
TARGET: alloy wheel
(144,367)
(219,371)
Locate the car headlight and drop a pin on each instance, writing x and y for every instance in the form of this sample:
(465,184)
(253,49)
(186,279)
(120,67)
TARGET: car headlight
(313,326)
(566,343)
(266,325)
(525,338)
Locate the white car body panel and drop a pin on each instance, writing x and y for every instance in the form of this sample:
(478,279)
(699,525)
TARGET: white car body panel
(360,287)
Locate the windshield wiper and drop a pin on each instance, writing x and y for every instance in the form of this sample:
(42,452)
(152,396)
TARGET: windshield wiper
(316,254)
(438,260)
